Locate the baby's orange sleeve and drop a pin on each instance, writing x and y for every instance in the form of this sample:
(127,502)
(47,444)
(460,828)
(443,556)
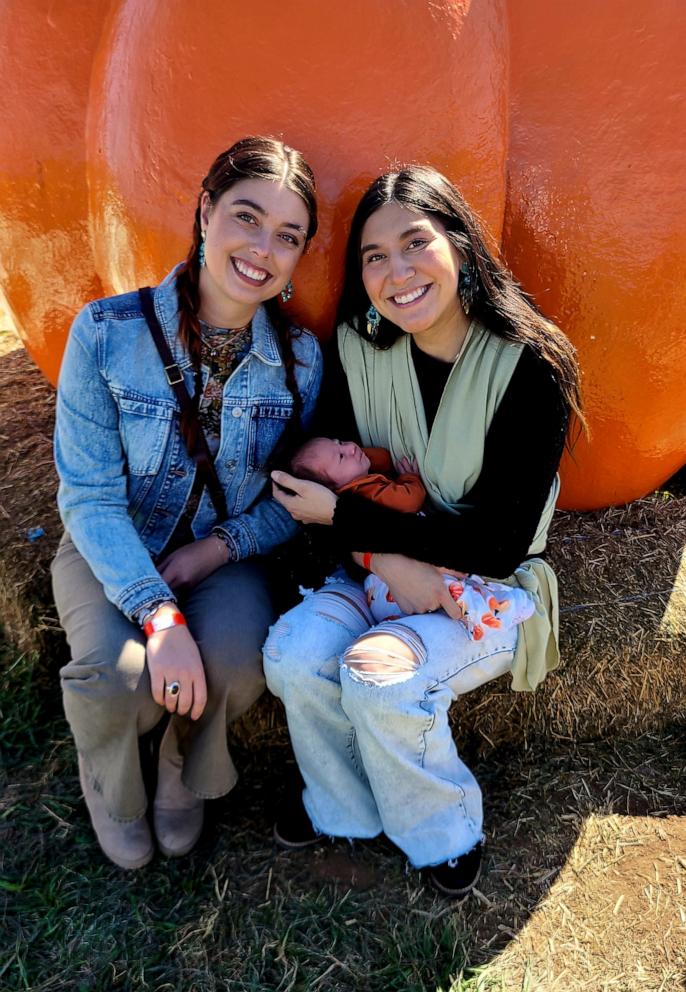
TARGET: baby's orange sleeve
(379,460)
(406,493)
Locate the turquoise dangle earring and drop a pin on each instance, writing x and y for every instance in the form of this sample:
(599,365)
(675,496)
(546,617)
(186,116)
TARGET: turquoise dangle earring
(287,292)
(466,287)
(373,320)
(201,250)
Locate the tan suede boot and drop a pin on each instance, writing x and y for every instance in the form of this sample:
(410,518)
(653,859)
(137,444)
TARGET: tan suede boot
(177,813)
(128,845)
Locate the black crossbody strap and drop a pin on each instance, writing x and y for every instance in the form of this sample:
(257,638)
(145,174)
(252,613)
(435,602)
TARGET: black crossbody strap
(201,456)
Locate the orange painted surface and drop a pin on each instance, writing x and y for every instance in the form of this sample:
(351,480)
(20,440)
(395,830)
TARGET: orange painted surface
(562,127)
(596,222)
(335,86)
(47,270)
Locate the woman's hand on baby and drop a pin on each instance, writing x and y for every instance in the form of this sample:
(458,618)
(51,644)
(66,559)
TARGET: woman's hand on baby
(407,466)
(187,566)
(416,586)
(172,656)
(308,502)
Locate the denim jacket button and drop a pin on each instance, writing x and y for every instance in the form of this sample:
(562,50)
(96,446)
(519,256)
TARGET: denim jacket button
(236,412)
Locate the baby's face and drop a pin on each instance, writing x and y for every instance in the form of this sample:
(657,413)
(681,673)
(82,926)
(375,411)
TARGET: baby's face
(338,462)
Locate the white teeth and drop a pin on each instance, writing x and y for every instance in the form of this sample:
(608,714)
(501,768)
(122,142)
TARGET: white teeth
(247,270)
(409,297)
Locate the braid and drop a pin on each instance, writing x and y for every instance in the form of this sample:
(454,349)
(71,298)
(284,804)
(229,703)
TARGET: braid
(188,290)
(292,435)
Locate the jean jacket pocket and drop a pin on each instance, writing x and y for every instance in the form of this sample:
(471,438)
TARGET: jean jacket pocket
(144,424)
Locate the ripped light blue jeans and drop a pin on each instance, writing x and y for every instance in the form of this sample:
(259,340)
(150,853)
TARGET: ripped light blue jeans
(369,722)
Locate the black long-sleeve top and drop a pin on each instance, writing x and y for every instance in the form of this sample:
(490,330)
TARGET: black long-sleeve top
(522,451)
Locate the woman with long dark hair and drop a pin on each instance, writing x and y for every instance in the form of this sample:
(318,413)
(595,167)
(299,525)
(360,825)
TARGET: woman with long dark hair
(442,359)
(170,404)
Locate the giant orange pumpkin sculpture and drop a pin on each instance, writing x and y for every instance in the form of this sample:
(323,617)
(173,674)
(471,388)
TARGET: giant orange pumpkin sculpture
(563,125)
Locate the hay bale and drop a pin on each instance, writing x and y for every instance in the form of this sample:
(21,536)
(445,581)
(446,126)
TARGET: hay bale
(622,578)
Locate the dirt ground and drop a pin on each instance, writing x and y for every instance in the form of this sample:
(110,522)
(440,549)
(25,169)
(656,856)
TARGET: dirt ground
(615,917)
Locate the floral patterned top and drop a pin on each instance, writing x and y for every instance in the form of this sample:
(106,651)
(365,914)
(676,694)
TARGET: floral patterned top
(222,352)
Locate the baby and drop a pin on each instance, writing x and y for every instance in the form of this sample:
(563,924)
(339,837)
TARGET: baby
(344,466)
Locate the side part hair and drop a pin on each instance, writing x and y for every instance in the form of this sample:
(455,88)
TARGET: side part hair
(249,158)
(499,301)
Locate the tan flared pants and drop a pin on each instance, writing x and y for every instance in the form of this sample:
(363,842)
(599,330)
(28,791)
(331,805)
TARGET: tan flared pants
(106,687)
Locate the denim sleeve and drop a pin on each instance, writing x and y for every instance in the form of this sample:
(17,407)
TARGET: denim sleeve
(267,524)
(92,494)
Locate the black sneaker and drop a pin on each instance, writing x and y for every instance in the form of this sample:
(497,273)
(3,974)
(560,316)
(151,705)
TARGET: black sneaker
(458,876)
(293,827)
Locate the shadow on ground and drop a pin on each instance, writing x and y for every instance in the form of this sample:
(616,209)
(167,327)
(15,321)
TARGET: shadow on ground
(238,915)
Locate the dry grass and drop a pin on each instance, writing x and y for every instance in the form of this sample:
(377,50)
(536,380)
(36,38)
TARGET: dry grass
(575,836)
(27,500)
(570,830)
(622,577)
(615,918)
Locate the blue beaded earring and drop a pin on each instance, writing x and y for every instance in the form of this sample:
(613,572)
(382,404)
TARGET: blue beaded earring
(201,250)
(287,292)
(466,287)
(373,320)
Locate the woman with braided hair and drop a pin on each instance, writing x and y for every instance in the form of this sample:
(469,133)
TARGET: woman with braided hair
(171,403)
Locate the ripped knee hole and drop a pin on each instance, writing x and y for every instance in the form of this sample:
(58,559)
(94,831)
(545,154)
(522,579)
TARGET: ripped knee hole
(385,656)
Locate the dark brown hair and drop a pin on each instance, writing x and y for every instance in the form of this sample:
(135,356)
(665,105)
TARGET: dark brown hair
(300,466)
(499,302)
(249,158)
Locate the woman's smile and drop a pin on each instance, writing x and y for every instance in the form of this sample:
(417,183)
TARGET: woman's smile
(253,275)
(410,296)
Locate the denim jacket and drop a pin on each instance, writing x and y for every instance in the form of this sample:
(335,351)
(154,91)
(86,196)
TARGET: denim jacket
(125,475)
